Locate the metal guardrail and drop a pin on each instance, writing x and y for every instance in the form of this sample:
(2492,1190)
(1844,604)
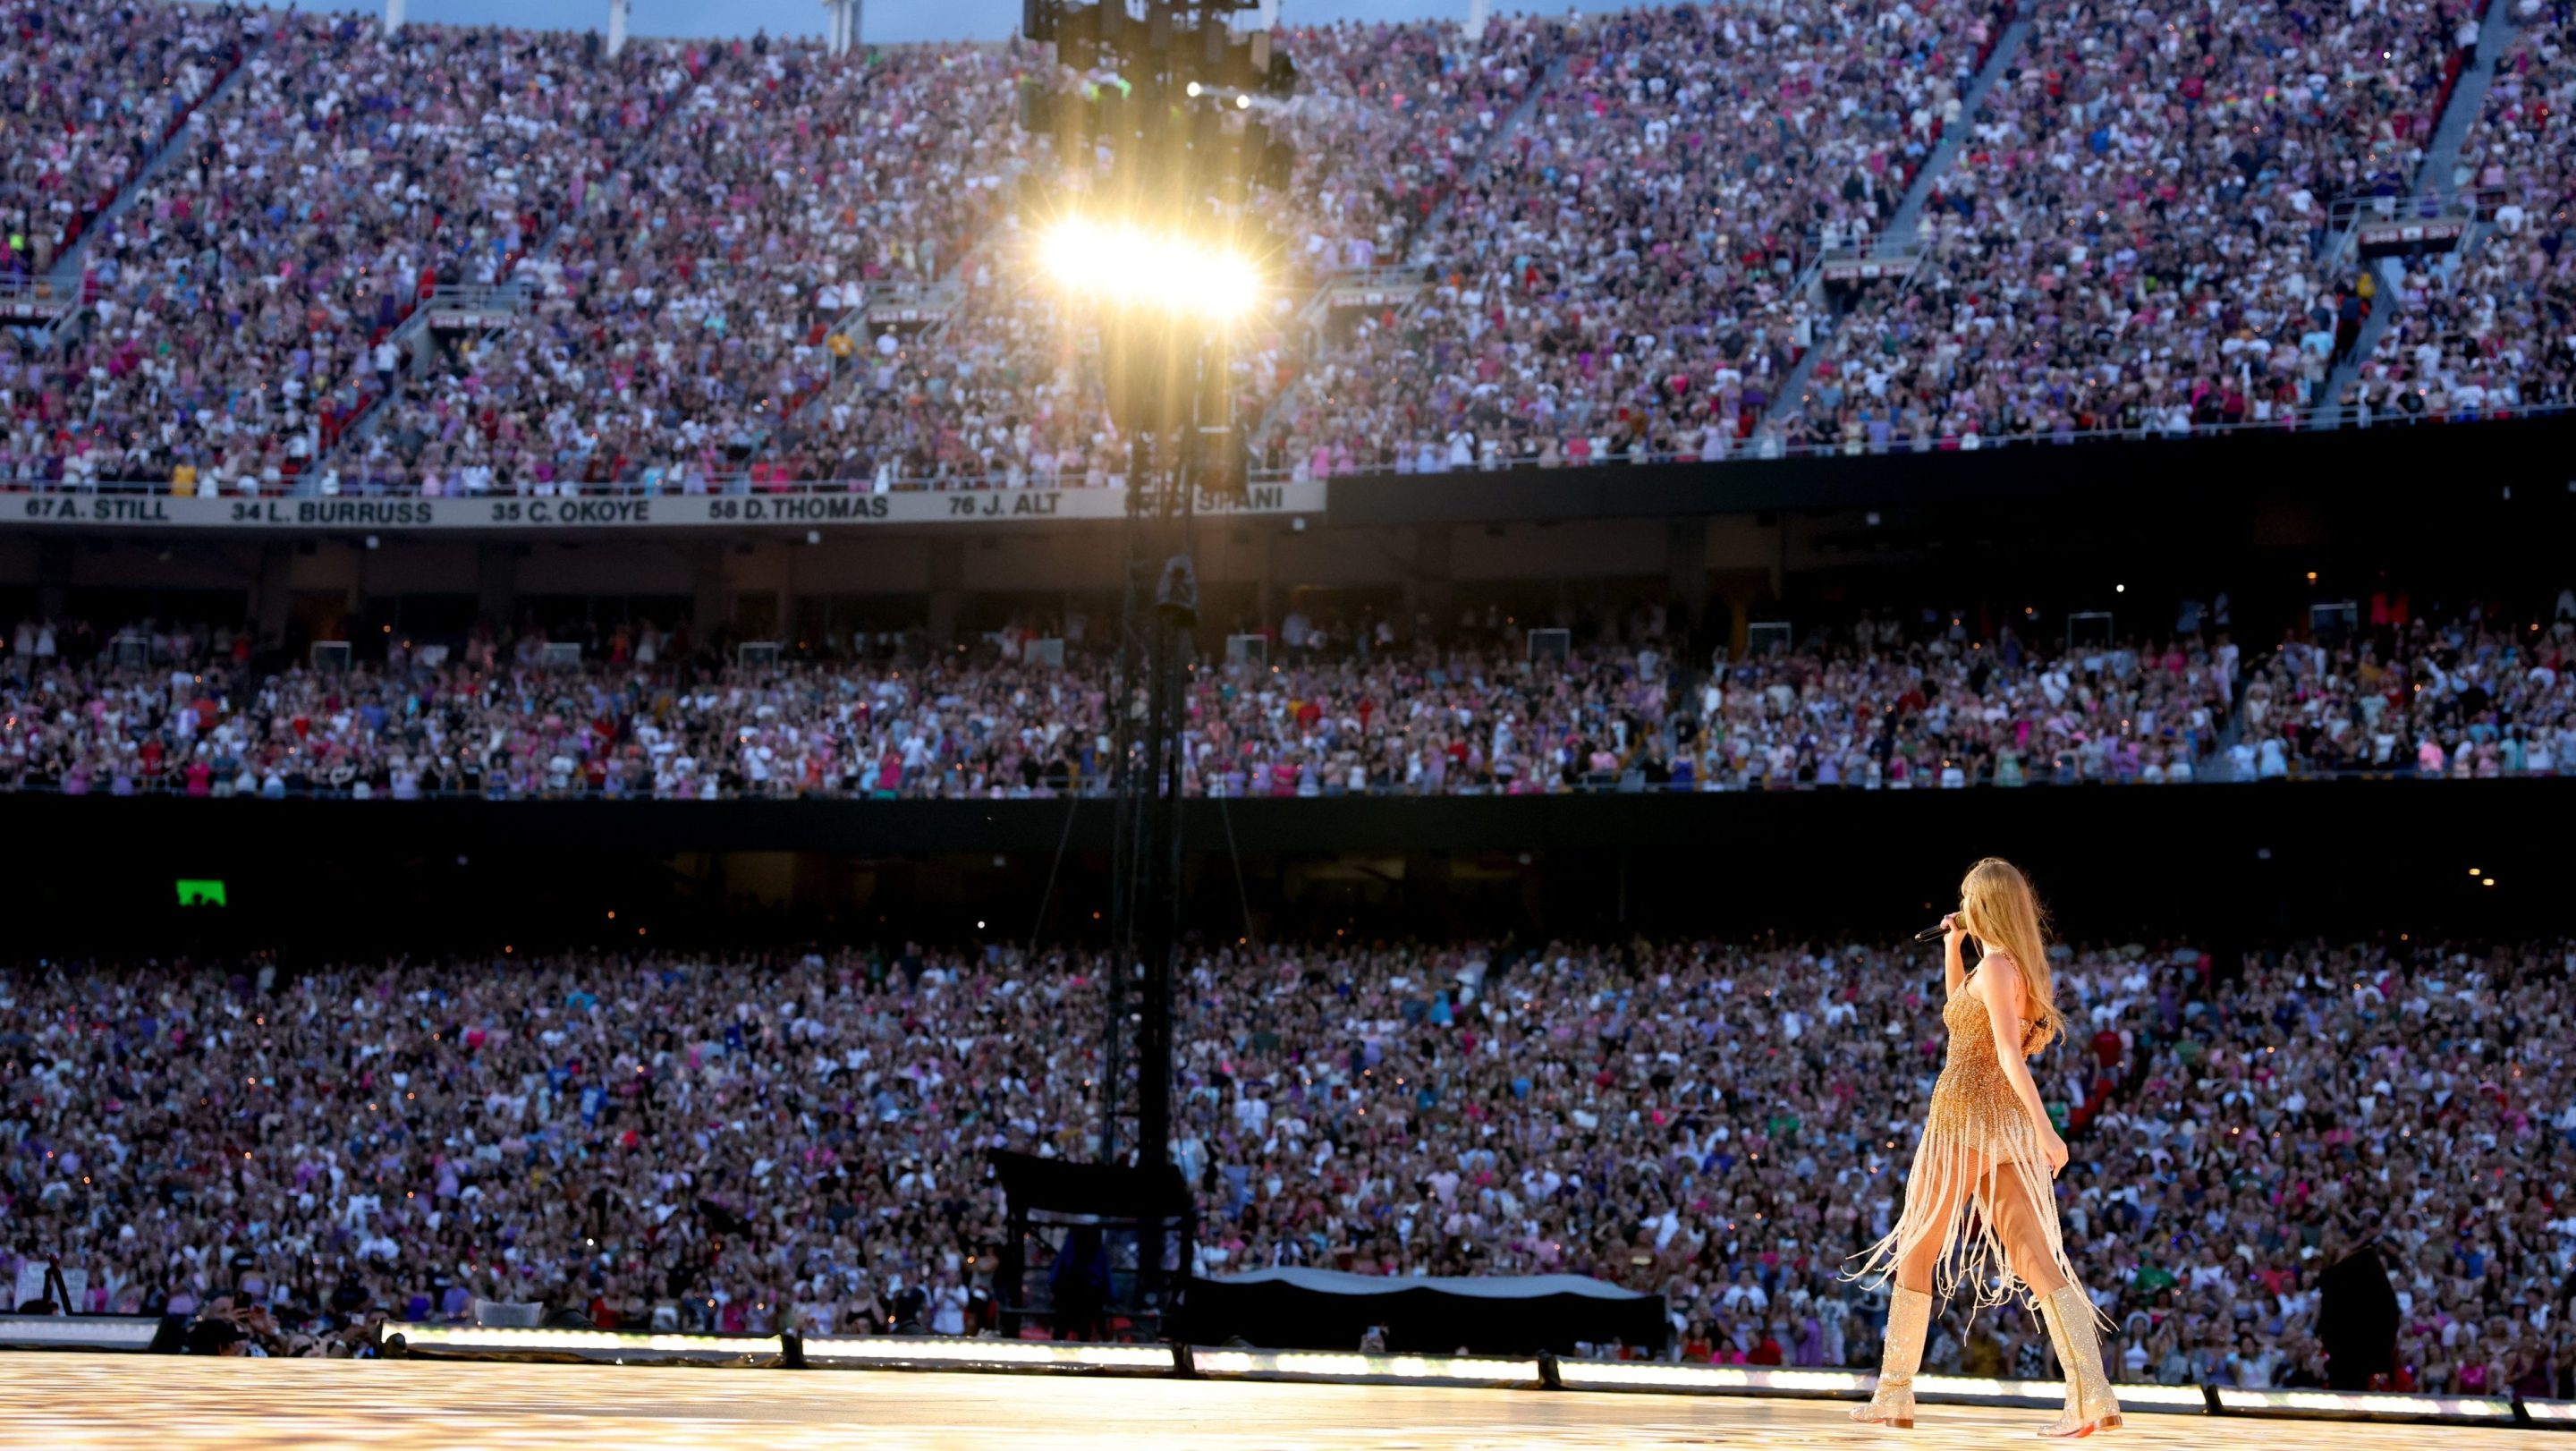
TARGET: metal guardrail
(481,296)
(1870,264)
(2344,213)
(468,305)
(166,785)
(19,285)
(26,300)
(1878,242)
(746,483)
(1389,277)
(1374,287)
(909,302)
(1757,449)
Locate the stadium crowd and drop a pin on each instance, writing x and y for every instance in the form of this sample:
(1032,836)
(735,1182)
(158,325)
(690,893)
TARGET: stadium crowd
(244,307)
(93,88)
(2132,238)
(1003,387)
(1339,707)
(1619,280)
(2137,234)
(683,1142)
(703,295)
(2485,328)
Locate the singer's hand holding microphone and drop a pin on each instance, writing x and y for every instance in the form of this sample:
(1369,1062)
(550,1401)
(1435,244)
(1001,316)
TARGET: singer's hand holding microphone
(1949,926)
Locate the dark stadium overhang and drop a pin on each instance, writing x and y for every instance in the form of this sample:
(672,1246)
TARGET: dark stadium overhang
(2406,466)
(2274,858)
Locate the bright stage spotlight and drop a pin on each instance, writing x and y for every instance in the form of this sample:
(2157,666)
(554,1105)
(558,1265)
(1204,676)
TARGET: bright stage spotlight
(1128,266)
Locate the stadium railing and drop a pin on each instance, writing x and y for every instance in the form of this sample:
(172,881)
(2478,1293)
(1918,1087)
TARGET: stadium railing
(168,784)
(1758,449)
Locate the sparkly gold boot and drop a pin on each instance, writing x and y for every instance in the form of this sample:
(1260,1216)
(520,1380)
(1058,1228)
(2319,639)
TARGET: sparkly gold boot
(1909,1314)
(2090,1406)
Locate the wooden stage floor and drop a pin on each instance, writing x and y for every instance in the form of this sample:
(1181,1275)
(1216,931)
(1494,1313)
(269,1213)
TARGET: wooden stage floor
(168,1404)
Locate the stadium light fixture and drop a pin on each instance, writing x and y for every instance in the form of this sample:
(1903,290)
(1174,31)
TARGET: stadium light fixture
(1125,265)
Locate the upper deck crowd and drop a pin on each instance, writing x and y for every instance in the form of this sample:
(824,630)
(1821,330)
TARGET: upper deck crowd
(731,265)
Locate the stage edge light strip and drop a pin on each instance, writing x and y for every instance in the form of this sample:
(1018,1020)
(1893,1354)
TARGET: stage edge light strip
(2181,1398)
(2188,1398)
(1648,1375)
(467,1338)
(1654,1375)
(999,1354)
(1336,1366)
(79,1332)
(2363,1403)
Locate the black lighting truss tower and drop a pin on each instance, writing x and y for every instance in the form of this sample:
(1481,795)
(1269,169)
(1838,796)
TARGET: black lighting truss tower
(1151,111)
(1168,379)
(1156,617)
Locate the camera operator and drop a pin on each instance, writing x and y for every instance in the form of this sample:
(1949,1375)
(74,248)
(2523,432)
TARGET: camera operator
(229,1325)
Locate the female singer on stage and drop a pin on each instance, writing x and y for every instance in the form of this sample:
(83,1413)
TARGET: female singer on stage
(1980,1215)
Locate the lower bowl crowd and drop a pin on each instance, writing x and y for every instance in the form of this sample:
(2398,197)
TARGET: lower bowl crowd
(1339,708)
(284,1154)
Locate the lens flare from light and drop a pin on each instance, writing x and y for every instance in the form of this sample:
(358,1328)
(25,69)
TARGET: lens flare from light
(1129,266)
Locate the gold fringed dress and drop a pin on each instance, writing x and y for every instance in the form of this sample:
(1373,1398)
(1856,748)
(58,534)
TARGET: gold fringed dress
(1980,1186)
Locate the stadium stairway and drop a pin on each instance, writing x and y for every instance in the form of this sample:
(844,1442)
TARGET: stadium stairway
(373,415)
(2329,413)
(66,271)
(1793,384)
(1907,223)
(1483,158)
(1312,319)
(1281,407)
(789,431)
(853,322)
(625,163)
(2231,728)
(2467,102)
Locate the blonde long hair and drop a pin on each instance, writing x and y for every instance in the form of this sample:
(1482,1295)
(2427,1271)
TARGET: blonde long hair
(2003,913)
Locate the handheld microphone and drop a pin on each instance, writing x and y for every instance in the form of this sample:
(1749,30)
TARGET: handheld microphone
(1933,933)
